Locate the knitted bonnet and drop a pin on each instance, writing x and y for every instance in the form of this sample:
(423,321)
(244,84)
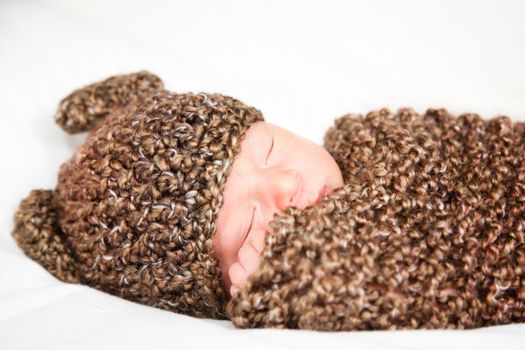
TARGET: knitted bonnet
(133,213)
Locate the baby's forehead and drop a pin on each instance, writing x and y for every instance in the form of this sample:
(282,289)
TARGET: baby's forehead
(255,135)
(257,127)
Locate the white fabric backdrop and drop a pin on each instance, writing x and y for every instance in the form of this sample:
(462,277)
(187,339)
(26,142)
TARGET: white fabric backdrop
(302,63)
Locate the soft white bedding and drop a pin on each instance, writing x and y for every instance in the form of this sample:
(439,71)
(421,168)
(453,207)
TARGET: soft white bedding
(301,63)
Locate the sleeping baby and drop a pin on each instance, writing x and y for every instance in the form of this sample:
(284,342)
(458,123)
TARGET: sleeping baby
(275,169)
(193,203)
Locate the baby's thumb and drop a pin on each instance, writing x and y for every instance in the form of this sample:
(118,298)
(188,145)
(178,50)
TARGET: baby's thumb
(38,234)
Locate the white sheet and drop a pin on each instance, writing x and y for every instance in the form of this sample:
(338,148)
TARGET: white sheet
(301,63)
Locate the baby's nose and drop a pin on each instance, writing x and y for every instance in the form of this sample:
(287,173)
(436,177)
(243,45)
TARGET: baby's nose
(283,186)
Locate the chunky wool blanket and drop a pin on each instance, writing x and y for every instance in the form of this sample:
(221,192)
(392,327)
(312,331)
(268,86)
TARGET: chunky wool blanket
(427,232)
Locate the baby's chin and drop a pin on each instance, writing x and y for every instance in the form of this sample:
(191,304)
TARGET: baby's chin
(335,175)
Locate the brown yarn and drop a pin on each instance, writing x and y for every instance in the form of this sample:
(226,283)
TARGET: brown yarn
(37,232)
(134,209)
(84,107)
(427,232)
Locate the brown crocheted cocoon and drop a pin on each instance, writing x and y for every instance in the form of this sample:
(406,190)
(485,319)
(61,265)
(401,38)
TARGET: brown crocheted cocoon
(428,231)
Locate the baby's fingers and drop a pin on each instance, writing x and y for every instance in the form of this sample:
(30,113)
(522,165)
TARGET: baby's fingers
(249,257)
(238,275)
(233,290)
(258,239)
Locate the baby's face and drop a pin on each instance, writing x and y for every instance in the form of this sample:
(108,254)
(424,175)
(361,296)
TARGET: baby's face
(273,170)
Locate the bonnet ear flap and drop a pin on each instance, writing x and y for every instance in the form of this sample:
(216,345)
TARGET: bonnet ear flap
(38,234)
(84,107)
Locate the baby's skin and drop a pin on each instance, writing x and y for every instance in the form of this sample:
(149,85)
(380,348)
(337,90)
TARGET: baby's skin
(274,169)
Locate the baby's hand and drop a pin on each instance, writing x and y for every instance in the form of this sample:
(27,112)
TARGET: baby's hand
(249,257)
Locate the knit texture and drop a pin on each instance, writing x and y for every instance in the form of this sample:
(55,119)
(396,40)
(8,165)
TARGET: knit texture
(84,107)
(427,232)
(134,209)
